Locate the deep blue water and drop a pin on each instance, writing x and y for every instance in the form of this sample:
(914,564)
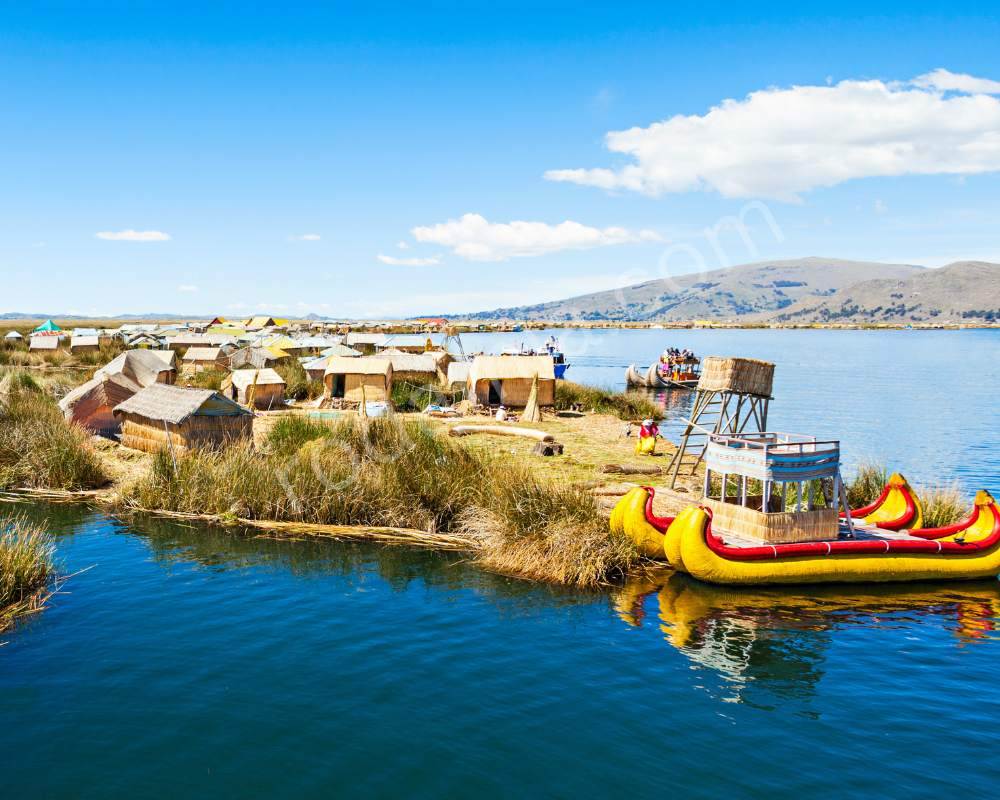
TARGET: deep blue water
(187,661)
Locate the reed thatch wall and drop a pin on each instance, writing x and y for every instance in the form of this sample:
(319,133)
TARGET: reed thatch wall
(514,392)
(777,528)
(150,436)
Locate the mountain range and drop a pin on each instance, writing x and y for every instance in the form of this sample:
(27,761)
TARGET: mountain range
(802,290)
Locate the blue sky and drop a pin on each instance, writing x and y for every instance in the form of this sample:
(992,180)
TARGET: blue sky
(161,157)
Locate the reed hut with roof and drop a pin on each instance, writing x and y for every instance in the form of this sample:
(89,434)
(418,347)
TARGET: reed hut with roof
(144,367)
(199,359)
(258,388)
(91,405)
(458,375)
(13,339)
(257,357)
(357,379)
(507,380)
(419,369)
(365,343)
(171,417)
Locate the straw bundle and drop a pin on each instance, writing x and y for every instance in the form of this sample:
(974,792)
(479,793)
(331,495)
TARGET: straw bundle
(740,375)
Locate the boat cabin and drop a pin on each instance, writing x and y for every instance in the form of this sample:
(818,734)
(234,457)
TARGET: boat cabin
(774,487)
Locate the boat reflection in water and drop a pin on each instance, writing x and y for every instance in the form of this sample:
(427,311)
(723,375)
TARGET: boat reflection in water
(774,641)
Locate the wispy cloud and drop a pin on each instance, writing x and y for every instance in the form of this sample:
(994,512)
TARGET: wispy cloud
(409,262)
(133,236)
(187,288)
(403,245)
(475,238)
(780,142)
(305,237)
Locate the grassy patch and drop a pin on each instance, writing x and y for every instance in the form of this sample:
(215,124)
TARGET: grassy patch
(624,405)
(206,379)
(943,506)
(391,472)
(298,386)
(867,485)
(25,568)
(38,448)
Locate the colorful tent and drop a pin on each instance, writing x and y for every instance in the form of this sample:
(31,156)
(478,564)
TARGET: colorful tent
(47,327)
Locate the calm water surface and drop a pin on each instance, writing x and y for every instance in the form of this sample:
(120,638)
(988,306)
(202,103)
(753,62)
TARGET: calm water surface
(193,662)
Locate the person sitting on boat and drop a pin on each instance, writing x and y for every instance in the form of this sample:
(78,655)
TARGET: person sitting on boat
(646,445)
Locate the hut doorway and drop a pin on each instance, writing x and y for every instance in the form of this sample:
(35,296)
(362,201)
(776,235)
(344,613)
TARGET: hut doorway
(494,399)
(339,386)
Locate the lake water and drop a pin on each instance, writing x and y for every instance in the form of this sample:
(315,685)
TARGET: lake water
(191,662)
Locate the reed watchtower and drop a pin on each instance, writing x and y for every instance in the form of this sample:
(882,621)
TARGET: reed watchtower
(731,398)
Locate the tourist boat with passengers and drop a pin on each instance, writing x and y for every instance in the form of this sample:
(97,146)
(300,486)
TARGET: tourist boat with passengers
(676,369)
(775,511)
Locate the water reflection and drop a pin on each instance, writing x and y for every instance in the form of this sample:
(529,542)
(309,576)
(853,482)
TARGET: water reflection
(775,640)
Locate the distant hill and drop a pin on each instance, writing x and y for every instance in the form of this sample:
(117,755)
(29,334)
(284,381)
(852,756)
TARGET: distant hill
(963,291)
(758,290)
(14,315)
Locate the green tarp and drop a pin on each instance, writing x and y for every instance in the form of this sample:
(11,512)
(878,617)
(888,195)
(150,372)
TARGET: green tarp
(48,325)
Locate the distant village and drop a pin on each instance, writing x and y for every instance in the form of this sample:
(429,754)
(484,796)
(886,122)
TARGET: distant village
(200,383)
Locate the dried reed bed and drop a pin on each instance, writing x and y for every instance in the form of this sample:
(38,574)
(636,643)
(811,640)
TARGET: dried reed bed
(392,474)
(38,448)
(25,569)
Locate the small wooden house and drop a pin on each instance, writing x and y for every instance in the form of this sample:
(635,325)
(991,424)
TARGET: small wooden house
(352,379)
(178,419)
(91,405)
(506,380)
(258,388)
(199,359)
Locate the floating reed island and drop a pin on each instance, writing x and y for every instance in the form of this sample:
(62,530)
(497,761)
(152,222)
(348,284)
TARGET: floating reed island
(26,569)
(301,432)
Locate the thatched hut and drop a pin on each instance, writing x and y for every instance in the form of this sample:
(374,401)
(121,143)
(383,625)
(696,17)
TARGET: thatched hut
(180,419)
(419,369)
(199,359)
(144,367)
(85,344)
(354,379)
(13,338)
(365,343)
(316,367)
(260,388)
(92,404)
(507,380)
(257,357)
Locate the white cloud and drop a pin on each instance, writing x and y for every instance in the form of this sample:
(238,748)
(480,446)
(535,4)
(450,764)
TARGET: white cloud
(475,238)
(408,262)
(306,237)
(403,245)
(187,287)
(779,142)
(880,207)
(945,81)
(133,236)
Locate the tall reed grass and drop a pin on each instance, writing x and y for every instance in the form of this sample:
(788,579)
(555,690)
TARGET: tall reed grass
(395,473)
(25,568)
(625,405)
(38,448)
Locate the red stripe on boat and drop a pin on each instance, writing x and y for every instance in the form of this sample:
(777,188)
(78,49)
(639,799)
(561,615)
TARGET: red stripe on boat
(660,523)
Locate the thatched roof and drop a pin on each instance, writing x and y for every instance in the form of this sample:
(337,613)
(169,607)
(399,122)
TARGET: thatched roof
(242,378)
(410,362)
(496,368)
(168,357)
(202,340)
(352,339)
(107,390)
(203,354)
(175,404)
(142,366)
(341,350)
(358,366)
